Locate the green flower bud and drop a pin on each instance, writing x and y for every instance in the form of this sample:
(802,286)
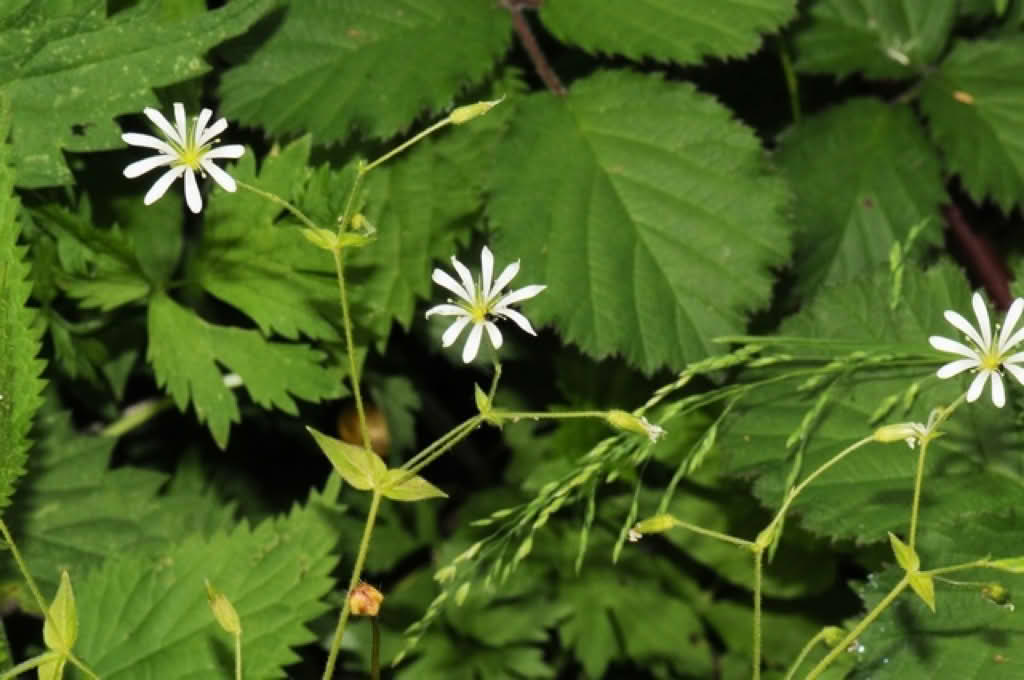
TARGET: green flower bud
(621,420)
(467,113)
(223,611)
(995,592)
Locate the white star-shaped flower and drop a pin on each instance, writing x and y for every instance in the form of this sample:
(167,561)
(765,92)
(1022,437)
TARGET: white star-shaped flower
(481,304)
(985,355)
(186,151)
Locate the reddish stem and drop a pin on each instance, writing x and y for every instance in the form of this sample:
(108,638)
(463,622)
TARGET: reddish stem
(981,257)
(530,44)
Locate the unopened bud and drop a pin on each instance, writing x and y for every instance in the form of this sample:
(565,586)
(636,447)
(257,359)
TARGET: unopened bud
(467,113)
(995,592)
(364,600)
(622,420)
(654,525)
(223,610)
(898,432)
(832,635)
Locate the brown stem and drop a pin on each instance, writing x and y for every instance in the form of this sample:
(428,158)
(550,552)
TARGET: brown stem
(529,42)
(981,257)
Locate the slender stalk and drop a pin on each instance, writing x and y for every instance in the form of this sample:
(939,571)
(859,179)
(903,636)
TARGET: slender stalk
(803,654)
(749,545)
(29,664)
(351,200)
(494,380)
(375,649)
(792,84)
(916,504)
(758,571)
(443,440)
(533,50)
(357,571)
(353,370)
(860,628)
(274,198)
(959,567)
(135,415)
(413,470)
(552,415)
(238,656)
(406,144)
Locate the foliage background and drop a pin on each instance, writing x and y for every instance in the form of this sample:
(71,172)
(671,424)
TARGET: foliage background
(675,172)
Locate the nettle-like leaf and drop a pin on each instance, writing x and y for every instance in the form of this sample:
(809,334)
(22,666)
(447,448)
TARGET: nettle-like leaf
(70,508)
(330,68)
(20,384)
(185,351)
(666,30)
(879,38)
(70,70)
(974,106)
(622,198)
(140,618)
(864,175)
(870,492)
(967,636)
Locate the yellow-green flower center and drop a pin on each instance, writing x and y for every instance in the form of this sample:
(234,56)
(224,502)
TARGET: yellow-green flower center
(990,361)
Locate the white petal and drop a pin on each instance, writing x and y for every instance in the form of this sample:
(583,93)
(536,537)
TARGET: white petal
(1012,317)
(957,367)
(472,343)
(1016,371)
(998,393)
(165,126)
(1014,358)
(447,310)
(226,181)
(494,334)
(193,198)
(160,186)
(204,118)
(226,151)
(519,320)
(952,346)
(964,327)
(453,332)
(212,132)
(1013,341)
(486,270)
(465,277)
(984,324)
(445,280)
(146,164)
(977,385)
(507,274)
(524,293)
(181,123)
(148,142)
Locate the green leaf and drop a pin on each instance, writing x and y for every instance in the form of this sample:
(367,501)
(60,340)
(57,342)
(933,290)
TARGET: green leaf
(141,618)
(864,174)
(185,351)
(879,38)
(70,509)
(663,30)
(630,218)
(323,69)
(361,468)
(905,555)
(412,489)
(70,71)
(870,491)
(20,385)
(924,586)
(969,636)
(973,103)
(60,629)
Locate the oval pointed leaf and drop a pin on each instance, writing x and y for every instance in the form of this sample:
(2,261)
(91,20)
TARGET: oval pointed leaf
(411,489)
(624,198)
(924,586)
(360,468)
(61,627)
(905,555)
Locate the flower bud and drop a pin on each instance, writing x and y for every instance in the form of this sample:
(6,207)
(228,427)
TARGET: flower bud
(365,600)
(897,432)
(467,113)
(621,420)
(832,635)
(995,592)
(654,525)
(223,611)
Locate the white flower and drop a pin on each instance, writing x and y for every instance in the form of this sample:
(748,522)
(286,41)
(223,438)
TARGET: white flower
(480,304)
(985,355)
(187,150)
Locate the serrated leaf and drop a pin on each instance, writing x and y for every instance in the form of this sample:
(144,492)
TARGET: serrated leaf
(412,489)
(621,198)
(870,491)
(359,467)
(864,174)
(185,351)
(905,555)
(330,57)
(20,385)
(71,71)
(60,628)
(974,103)
(879,38)
(146,619)
(666,30)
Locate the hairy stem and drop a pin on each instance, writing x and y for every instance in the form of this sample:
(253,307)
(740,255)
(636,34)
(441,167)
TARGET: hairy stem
(357,571)
(803,654)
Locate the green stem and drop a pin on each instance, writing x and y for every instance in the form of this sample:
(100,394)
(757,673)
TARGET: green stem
(351,200)
(375,649)
(958,567)
(792,84)
(135,415)
(803,654)
(943,415)
(274,198)
(758,569)
(238,656)
(357,570)
(551,415)
(353,370)
(454,432)
(860,628)
(494,381)
(413,470)
(749,545)
(405,145)
(29,664)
